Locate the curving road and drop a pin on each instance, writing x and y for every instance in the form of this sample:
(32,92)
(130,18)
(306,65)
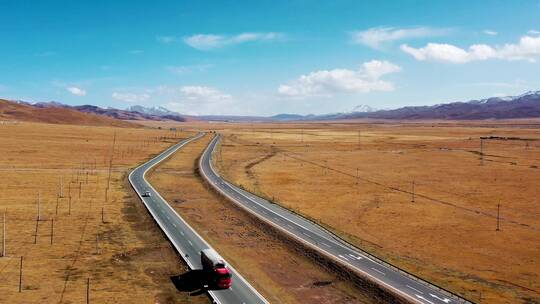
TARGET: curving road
(316,237)
(184,238)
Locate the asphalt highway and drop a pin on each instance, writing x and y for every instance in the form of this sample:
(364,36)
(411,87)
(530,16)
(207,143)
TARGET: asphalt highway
(184,238)
(316,237)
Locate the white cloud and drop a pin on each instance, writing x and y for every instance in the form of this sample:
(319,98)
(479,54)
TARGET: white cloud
(166,39)
(76,91)
(528,48)
(202,93)
(377,37)
(329,82)
(490,32)
(533,32)
(195,100)
(130,97)
(211,41)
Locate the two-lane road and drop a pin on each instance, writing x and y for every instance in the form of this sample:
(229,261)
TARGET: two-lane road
(316,237)
(184,238)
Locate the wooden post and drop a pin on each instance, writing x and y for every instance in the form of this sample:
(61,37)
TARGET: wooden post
(69,206)
(102,216)
(87,290)
(80,188)
(20,274)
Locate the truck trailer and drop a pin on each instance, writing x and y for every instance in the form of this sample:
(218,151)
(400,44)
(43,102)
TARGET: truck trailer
(217,275)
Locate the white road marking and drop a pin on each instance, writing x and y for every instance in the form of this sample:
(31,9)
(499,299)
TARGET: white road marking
(356,257)
(325,244)
(414,289)
(181,232)
(445,300)
(343,258)
(190,243)
(421,297)
(377,270)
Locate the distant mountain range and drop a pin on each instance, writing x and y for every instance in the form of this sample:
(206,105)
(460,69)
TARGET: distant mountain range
(57,114)
(131,113)
(523,106)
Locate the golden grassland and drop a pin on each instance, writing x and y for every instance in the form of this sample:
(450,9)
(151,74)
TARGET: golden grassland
(272,266)
(124,255)
(357,180)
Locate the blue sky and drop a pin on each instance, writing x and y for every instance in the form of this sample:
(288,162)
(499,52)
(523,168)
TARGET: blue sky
(267,57)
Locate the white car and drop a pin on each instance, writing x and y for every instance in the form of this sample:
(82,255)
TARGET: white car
(147,194)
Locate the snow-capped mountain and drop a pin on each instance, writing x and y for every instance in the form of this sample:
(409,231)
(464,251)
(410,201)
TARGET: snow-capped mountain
(363,109)
(157,111)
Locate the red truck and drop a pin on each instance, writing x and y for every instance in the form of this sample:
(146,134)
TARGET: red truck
(217,275)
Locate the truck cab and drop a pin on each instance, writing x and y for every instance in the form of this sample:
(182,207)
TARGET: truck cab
(217,275)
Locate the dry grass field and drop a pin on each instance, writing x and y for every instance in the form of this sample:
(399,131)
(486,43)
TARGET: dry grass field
(360,186)
(270,264)
(123,254)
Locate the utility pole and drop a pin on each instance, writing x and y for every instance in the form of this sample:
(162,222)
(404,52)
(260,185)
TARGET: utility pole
(87,290)
(36,232)
(412,199)
(102,216)
(357,176)
(20,274)
(111,160)
(498,216)
(69,206)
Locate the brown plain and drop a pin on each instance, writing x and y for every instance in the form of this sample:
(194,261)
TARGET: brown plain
(125,256)
(273,266)
(448,234)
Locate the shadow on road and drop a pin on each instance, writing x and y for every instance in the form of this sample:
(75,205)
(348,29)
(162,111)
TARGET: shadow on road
(192,281)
